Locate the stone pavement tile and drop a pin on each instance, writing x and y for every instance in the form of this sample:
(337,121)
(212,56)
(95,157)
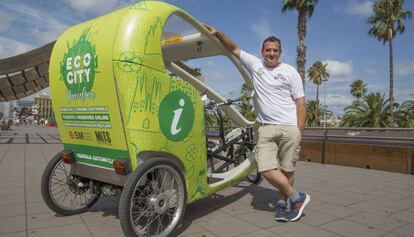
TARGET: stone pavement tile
(328,188)
(400,205)
(374,208)
(392,234)
(106,232)
(228,226)
(36,140)
(37,208)
(361,188)
(375,221)
(348,228)
(34,197)
(15,234)
(100,219)
(199,212)
(334,210)
(258,202)
(407,230)
(315,218)
(392,193)
(409,200)
(333,199)
(12,224)
(189,228)
(262,219)
(201,234)
(69,230)
(11,199)
(259,233)
(406,216)
(46,220)
(299,229)
(234,208)
(12,210)
(18,141)
(51,140)
(12,191)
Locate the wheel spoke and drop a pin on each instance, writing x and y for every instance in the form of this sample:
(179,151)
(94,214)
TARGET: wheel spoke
(157,201)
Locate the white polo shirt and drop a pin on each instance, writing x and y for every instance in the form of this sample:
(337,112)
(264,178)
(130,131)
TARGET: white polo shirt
(276,90)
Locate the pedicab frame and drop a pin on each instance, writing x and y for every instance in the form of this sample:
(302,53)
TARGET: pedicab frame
(126,124)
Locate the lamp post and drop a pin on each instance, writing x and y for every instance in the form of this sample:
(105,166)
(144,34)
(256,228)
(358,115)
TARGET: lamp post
(324,81)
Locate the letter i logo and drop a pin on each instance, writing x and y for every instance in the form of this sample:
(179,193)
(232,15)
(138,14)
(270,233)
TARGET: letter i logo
(176,116)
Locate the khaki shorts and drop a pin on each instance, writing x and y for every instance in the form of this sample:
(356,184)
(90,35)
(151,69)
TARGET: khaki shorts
(278,147)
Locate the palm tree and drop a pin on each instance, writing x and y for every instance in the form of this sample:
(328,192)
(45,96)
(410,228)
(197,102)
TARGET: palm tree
(305,8)
(318,73)
(387,21)
(245,108)
(406,114)
(311,118)
(373,111)
(358,88)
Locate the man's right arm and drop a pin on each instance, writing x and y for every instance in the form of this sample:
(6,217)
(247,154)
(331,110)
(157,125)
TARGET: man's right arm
(225,40)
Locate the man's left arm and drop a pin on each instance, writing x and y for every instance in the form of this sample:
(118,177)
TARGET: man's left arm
(300,113)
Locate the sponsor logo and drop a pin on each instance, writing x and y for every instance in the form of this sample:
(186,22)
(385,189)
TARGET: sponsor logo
(77,135)
(103,137)
(176,116)
(78,68)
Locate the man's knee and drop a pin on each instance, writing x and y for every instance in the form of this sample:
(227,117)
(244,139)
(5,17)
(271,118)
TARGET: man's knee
(288,174)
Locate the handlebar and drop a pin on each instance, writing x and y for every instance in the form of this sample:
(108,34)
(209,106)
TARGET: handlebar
(212,104)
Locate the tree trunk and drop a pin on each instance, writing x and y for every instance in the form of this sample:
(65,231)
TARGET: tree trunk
(301,49)
(391,98)
(317,106)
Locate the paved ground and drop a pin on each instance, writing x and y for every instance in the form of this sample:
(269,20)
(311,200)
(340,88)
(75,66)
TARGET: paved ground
(345,201)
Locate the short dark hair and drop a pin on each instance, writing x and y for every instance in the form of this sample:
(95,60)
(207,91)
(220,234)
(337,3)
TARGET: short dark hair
(272,39)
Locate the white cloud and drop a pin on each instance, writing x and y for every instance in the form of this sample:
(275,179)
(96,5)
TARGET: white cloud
(92,6)
(404,68)
(339,69)
(6,20)
(40,23)
(261,28)
(355,8)
(10,47)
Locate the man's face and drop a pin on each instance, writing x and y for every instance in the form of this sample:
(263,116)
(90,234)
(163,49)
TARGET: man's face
(271,54)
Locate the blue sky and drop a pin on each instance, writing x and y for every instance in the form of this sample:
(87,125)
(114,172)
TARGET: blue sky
(337,35)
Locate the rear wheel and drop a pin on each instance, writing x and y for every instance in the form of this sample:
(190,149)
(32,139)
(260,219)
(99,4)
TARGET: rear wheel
(153,199)
(244,152)
(63,192)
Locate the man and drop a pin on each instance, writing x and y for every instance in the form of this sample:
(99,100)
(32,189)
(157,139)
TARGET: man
(280,111)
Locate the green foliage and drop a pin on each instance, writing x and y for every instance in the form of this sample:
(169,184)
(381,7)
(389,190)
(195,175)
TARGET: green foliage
(245,108)
(358,88)
(388,19)
(307,5)
(372,111)
(312,118)
(405,117)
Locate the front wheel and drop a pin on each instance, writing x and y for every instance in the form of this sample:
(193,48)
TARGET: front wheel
(153,199)
(63,192)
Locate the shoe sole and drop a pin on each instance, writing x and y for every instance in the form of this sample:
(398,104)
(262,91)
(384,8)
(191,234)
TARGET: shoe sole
(305,203)
(281,219)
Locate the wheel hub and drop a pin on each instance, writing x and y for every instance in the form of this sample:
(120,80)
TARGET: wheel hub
(159,203)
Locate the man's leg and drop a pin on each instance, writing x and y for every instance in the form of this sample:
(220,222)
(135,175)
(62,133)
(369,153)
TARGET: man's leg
(291,178)
(279,180)
(289,148)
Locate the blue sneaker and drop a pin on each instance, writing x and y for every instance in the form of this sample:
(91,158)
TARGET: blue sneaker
(281,212)
(296,208)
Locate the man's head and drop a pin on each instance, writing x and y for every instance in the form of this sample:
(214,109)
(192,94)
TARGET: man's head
(271,51)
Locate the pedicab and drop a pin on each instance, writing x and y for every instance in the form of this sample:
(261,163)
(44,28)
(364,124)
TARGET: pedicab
(131,119)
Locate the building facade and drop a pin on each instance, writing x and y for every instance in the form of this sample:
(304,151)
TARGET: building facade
(43,106)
